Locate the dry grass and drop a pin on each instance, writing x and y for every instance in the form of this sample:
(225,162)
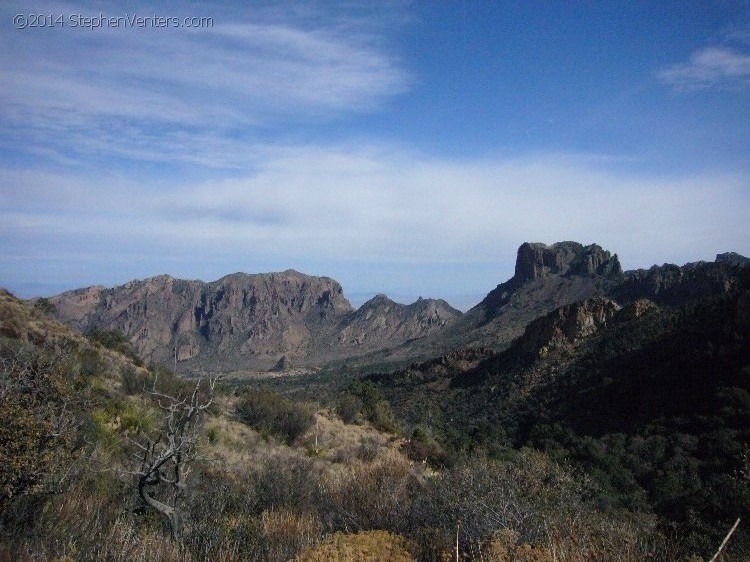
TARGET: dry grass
(368,546)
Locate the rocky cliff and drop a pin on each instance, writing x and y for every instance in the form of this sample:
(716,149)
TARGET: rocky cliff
(565,326)
(253,321)
(545,278)
(240,319)
(675,285)
(536,260)
(248,321)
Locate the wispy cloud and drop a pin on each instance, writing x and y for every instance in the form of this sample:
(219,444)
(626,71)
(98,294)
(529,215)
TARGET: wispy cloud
(183,94)
(709,67)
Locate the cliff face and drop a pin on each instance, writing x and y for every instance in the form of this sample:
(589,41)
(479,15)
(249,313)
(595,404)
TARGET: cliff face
(565,326)
(248,321)
(242,319)
(251,321)
(675,285)
(536,260)
(545,278)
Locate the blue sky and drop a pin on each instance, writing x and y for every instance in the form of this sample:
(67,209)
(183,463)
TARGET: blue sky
(405,148)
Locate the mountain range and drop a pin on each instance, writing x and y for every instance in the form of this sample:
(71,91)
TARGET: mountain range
(277,320)
(639,380)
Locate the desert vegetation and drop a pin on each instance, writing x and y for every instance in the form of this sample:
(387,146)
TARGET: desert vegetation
(106,459)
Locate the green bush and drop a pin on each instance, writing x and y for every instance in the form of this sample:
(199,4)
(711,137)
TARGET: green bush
(375,408)
(267,411)
(348,407)
(115,340)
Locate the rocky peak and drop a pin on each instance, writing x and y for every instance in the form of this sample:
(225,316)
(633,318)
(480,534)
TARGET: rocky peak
(535,260)
(382,321)
(732,258)
(674,285)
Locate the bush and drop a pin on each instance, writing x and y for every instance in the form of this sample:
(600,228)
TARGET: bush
(135,382)
(266,411)
(348,407)
(38,417)
(376,409)
(114,340)
(423,447)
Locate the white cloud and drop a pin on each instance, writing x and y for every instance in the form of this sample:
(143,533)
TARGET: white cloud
(709,67)
(368,208)
(182,94)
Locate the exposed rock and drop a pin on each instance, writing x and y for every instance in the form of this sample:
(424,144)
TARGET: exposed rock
(238,321)
(674,285)
(732,258)
(381,320)
(546,278)
(566,326)
(536,260)
(283,364)
(249,321)
(636,309)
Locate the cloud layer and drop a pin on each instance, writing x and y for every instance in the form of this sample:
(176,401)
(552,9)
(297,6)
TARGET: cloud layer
(250,145)
(367,206)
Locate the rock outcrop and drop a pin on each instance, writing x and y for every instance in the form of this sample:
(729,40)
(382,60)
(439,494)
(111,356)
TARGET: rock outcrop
(675,285)
(536,260)
(239,320)
(545,278)
(566,326)
(253,321)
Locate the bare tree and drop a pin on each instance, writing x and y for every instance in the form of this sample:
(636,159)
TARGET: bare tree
(165,459)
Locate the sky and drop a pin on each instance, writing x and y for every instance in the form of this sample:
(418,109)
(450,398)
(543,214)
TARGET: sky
(405,148)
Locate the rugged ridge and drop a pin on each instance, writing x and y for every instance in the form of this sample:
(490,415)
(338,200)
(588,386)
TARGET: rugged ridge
(251,321)
(239,319)
(245,321)
(566,326)
(545,278)
(384,320)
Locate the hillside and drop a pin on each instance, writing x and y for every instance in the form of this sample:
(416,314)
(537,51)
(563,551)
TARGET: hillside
(653,398)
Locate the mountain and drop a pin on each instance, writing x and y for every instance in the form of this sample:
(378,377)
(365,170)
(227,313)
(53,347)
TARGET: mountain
(381,322)
(545,278)
(245,321)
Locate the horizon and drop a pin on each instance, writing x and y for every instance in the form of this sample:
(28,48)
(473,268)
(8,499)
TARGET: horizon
(462,302)
(406,149)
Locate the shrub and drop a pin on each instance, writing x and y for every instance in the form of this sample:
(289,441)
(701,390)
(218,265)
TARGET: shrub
(423,447)
(133,381)
(267,411)
(115,340)
(38,417)
(375,408)
(348,407)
